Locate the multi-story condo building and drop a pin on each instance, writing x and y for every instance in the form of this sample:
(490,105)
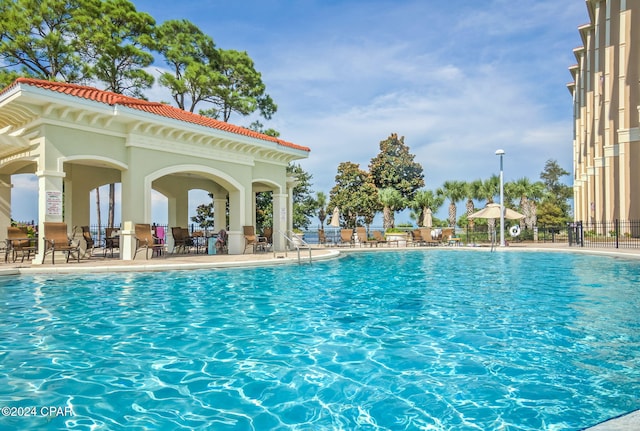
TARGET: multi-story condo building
(606,100)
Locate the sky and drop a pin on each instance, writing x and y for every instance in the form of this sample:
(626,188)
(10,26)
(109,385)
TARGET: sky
(458,79)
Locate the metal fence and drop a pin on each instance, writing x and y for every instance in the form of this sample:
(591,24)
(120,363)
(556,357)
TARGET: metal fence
(543,233)
(605,234)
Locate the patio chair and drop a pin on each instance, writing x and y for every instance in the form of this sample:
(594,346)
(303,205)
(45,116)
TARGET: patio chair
(111,239)
(379,237)
(146,241)
(56,239)
(250,238)
(361,234)
(346,237)
(427,238)
(447,233)
(416,237)
(181,239)
(18,243)
(267,234)
(88,239)
(322,237)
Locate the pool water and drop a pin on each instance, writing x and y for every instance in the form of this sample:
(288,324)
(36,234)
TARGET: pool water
(416,340)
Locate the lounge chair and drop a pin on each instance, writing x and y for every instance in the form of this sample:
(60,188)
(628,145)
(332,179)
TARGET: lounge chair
(111,240)
(447,233)
(56,239)
(146,241)
(90,244)
(346,237)
(361,233)
(181,239)
(18,243)
(379,237)
(267,234)
(427,239)
(322,238)
(250,238)
(416,237)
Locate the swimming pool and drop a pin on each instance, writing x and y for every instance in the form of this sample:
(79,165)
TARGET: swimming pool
(435,340)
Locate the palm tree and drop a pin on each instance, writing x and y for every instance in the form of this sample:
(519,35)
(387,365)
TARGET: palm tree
(425,200)
(473,191)
(391,200)
(454,191)
(536,193)
(519,188)
(321,204)
(490,188)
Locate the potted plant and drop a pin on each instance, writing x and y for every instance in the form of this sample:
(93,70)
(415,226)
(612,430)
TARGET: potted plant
(396,235)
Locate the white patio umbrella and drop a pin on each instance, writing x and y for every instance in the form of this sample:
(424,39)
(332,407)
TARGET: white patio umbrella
(427,221)
(335,218)
(493,211)
(335,222)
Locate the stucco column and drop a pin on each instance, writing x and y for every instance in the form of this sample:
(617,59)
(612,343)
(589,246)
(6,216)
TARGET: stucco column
(289,207)
(237,219)
(135,207)
(171,221)
(49,204)
(279,220)
(219,213)
(182,208)
(178,211)
(5,203)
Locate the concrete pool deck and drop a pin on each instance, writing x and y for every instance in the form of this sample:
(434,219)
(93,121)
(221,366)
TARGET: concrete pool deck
(100,264)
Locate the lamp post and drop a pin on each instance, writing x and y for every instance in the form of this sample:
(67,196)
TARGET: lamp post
(501,154)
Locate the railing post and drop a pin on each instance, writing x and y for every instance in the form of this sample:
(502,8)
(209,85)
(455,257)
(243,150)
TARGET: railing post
(581,232)
(571,231)
(616,226)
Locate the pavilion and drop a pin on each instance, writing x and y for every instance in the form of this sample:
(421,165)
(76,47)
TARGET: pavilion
(75,138)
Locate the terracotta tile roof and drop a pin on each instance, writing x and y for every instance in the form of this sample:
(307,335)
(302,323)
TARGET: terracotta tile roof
(155,108)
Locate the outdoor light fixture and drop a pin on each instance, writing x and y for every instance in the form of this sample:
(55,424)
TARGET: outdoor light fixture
(501,154)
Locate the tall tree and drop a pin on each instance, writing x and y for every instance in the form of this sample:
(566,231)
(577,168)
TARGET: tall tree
(526,193)
(489,190)
(425,200)
(114,39)
(304,206)
(473,191)
(557,193)
(192,57)
(37,39)
(354,194)
(392,201)
(115,42)
(321,205)
(394,167)
(204,214)
(238,88)
(454,191)
(257,126)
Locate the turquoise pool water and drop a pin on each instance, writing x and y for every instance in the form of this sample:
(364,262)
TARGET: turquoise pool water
(434,340)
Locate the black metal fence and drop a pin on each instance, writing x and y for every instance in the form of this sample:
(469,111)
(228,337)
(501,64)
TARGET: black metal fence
(543,233)
(605,234)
